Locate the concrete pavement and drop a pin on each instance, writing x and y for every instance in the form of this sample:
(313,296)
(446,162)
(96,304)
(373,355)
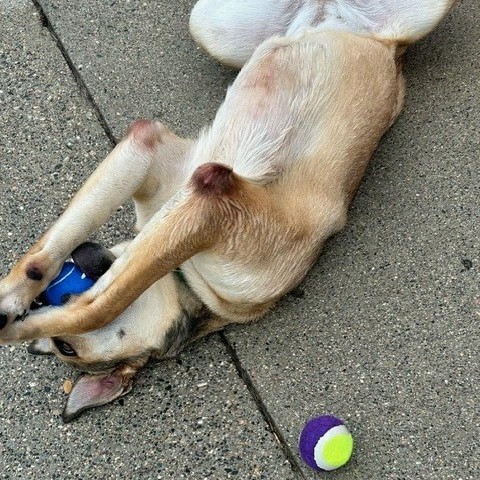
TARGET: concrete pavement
(386,333)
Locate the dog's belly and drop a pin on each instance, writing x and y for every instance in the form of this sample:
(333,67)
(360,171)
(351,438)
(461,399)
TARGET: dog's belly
(219,283)
(228,287)
(234,283)
(295,105)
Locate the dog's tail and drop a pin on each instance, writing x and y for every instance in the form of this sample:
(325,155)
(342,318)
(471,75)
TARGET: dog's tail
(401,21)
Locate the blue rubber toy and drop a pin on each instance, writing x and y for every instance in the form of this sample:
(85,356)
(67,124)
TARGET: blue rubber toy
(70,281)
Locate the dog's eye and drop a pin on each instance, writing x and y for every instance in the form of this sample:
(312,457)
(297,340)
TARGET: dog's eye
(64,348)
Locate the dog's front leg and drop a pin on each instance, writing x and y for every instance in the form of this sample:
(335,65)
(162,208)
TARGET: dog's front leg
(196,219)
(126,172)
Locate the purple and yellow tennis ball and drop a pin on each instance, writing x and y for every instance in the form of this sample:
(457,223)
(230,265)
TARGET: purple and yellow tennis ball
(325,443)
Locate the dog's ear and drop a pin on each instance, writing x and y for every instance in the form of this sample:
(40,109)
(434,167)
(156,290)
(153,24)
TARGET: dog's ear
(42,346)
(93,259)
(95,390)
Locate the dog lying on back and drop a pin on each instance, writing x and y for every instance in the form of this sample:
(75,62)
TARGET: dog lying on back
(230,222)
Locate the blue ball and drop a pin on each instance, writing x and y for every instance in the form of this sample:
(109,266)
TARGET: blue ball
(70,281)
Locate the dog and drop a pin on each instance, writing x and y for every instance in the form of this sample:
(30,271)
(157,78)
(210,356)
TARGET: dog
(232,221)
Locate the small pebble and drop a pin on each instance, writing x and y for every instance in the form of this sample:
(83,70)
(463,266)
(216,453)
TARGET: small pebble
(467,263)
(67,386)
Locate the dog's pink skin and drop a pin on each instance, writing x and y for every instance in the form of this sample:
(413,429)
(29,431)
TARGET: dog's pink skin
(213,179)
(145,133)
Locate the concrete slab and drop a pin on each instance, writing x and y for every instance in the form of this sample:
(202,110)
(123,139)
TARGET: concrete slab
(385,335)
(188,418)
(139,61)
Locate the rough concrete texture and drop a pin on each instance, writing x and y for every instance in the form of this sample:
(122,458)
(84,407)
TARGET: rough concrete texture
(188,418)
(139,61)
(385,335)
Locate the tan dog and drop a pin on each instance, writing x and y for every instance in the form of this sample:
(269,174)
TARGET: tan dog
(243,211)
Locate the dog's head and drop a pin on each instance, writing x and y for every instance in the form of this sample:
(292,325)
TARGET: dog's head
(158,324)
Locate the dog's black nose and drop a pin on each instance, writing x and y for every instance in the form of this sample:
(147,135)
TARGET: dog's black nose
(3,320)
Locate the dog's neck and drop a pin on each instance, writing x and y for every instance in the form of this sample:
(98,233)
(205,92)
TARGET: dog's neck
(188,324)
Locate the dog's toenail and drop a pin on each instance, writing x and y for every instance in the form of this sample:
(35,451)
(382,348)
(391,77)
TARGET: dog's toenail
(3,320)
(34,273)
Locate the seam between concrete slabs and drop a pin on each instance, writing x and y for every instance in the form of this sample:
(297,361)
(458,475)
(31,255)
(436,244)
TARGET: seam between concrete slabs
(84,90)
(262,408)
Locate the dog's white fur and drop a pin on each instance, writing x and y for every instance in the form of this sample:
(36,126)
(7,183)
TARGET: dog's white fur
(233,38)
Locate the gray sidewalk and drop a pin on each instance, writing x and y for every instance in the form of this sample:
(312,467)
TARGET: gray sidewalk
(385,335)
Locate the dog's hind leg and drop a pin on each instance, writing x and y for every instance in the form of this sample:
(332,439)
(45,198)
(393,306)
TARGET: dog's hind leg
(401,21)
(146,163)
(231,30)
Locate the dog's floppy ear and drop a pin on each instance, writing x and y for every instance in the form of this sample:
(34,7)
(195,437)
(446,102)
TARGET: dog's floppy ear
(93,259)
(95,390)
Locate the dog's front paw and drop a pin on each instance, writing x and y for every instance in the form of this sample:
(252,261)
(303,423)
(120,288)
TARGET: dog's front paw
(11,333)
(28,326)
(14,304)
(22,285)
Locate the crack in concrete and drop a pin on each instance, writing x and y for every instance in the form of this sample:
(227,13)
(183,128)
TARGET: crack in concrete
(262,408)
(84,90)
